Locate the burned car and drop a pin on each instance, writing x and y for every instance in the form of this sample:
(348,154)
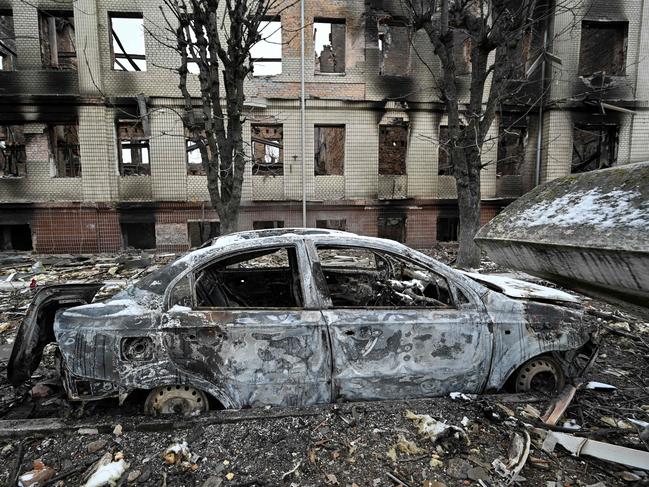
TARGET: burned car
(296,317)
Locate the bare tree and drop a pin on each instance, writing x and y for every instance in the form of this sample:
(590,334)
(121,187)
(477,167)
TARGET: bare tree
(214,39)
(496,32)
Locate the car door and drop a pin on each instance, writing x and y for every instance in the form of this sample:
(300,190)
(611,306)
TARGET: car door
(398,328)
(254,330)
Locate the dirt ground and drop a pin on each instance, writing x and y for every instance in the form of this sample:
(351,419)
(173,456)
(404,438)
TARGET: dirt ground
(363,445)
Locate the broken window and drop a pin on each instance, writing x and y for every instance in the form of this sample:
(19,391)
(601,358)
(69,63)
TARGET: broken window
(462,46)
(58,44)
(267,224)
(511,147)
(267,150)
(133,148)
(447,228)
(394,46)
(444,167)
(15,237)
(138,235)
(393,145)
(13,158)
(329,45)
(128,48)
(195,142)
(266,54)
(594,147)
(329,150)
(363,278)
(64,145)
(340,225)
(266,278)
(202,231)
(392,227)
(7,41)
(603,48)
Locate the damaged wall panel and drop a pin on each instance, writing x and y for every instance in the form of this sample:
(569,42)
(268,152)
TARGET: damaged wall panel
(267,150)
(393,147)
(329,150)
(58,43)
(329,44)
(603,48)
(7,41)
(13,157)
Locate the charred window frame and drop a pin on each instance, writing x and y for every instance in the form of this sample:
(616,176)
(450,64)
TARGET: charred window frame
(266,55)
(329,44)
(196,144)
(392,227)
(128,48)
(65,148)
(603,48)
(267,150)
(132,148)
(329,150)
(448,225)
(444,166)
(595,147)
(7,41)
(58,43)
(512,139)
(393,148)
(394,48)
(13,157)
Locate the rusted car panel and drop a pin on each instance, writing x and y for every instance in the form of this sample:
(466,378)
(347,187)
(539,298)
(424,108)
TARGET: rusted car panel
(168,330)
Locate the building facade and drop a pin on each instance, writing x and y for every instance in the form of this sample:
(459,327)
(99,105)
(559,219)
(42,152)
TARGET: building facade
(95,158)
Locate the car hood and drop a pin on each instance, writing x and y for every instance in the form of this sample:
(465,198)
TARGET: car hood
(516,288)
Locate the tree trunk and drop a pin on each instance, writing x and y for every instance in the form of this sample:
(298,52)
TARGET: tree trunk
(229,219)
(468,201)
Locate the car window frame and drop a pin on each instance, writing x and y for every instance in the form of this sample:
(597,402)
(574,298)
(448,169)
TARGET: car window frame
(191,272)
(453,285)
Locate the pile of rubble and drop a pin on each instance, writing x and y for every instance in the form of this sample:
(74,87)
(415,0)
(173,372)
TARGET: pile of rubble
(595,433)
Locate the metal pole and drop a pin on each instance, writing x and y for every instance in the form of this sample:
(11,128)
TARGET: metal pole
(539,137)
(302,113)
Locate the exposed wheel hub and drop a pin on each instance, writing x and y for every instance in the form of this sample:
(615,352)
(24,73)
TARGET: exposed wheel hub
(177,399)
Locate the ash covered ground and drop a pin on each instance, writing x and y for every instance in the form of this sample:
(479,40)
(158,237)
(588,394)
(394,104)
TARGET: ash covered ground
(368,444)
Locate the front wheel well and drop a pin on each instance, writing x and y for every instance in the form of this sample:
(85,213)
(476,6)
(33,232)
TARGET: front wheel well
(542,373)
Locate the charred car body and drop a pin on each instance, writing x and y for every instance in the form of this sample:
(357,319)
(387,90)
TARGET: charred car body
(300,317)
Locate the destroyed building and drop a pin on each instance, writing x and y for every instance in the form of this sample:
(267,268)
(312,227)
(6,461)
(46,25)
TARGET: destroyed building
(94,156)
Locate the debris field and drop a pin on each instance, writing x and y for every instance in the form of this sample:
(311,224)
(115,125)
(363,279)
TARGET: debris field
(487,440)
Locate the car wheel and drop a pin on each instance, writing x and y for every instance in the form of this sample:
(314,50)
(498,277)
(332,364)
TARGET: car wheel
(541,374)
(177,399)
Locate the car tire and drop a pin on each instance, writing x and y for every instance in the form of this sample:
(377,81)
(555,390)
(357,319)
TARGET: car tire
(541,374)
(176,399)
